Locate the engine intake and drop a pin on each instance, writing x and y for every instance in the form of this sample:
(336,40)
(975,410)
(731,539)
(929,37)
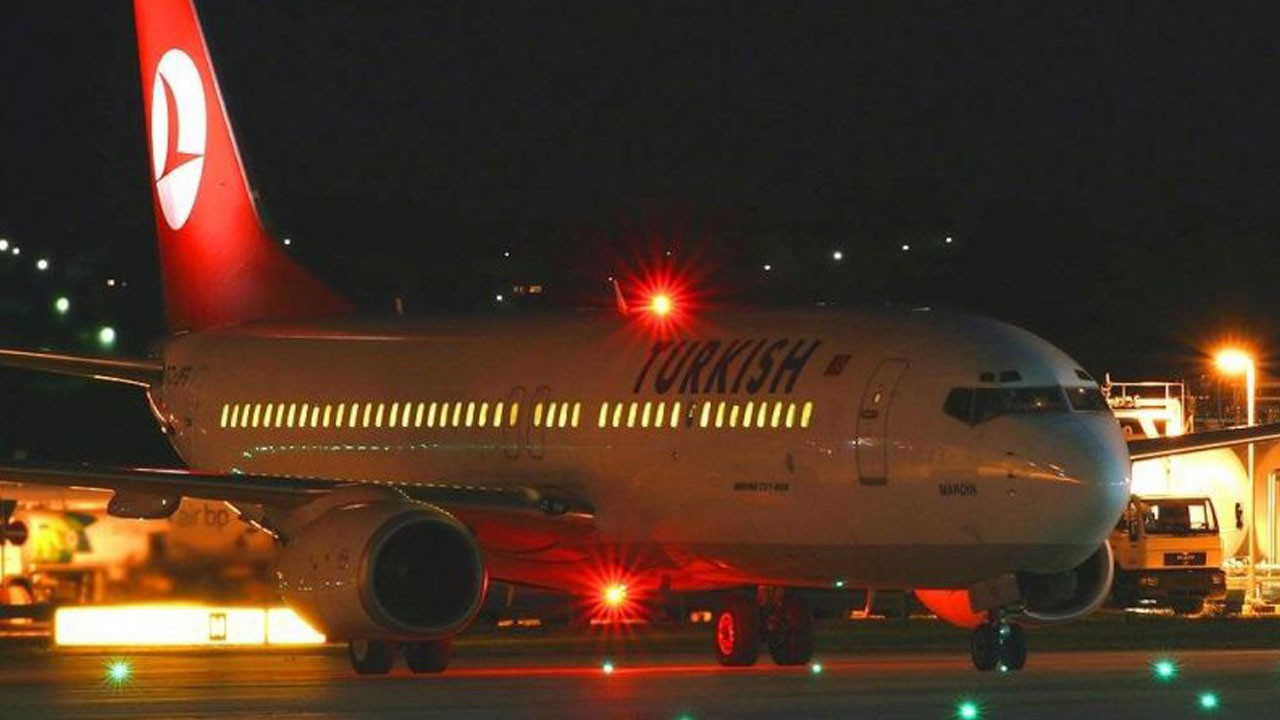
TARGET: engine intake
(1066,596)
(385,569)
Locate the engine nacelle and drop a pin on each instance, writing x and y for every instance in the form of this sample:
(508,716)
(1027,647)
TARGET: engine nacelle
(391,569)
(1062,597)
(1046,599)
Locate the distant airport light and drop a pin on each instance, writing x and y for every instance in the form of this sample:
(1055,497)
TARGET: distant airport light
(42,264)
(119,672)
(839,584)
(1164,669)
(498,297)
(180,626)
(837,256)
(968,710)
(1208,701)
(506,253)
(107,336)
(288,241)
(816,668)
(607,667)
(62,305)
(768,267)
(111,282)
(905,247)
(948,240)
(17,250)
(4,245)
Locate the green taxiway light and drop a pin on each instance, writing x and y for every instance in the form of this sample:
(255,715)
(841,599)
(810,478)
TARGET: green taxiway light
(607,667)
(62,305)
(1208,701)
(1164,669)
(107,336)
(119,672)
(968,710)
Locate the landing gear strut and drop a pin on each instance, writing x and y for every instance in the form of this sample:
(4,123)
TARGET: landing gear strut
(999,644)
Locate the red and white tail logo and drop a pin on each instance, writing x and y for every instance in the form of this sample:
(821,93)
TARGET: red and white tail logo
(220,265)
(177,135)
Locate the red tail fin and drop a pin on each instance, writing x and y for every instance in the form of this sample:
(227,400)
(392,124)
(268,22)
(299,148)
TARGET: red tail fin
(219,264)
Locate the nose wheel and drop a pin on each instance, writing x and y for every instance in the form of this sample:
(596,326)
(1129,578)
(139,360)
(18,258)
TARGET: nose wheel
(1000,645)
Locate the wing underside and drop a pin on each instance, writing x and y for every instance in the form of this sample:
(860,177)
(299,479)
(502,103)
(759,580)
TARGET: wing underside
(465,498)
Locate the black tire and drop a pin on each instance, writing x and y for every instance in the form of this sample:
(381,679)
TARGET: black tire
(984,647)
(1192,606)
(427,656)
(736,631)
(371,657)
(1013,648)
(789,631)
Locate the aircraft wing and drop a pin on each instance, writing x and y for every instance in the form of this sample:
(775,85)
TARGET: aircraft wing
(1148,448)
(285,492)
(145,373)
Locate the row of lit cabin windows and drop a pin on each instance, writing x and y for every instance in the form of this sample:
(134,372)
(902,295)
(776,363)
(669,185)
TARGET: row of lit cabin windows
(631,414)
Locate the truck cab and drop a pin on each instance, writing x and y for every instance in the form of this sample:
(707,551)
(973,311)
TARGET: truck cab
(1168,554)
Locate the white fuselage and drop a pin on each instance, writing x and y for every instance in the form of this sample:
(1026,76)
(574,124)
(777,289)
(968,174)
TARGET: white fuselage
(807,447)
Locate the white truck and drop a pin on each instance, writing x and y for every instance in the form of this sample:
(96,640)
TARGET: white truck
(1168,545)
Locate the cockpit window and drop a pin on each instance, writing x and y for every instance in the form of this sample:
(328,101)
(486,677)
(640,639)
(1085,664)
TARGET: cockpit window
(1086,399)
(978,405)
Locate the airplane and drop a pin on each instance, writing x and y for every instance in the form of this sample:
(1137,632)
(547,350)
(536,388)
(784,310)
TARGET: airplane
(402,463)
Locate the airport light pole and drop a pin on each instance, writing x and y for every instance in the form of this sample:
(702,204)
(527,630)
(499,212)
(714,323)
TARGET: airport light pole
(1234,362)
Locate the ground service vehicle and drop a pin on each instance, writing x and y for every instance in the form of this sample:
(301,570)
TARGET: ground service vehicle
(1168,553)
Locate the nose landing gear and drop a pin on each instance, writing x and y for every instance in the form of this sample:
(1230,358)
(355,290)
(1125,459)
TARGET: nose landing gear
(999,644)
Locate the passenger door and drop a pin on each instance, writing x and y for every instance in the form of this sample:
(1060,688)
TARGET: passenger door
(873,421)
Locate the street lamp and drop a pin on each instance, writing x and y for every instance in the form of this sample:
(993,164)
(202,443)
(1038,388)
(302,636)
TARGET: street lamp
(1234,362)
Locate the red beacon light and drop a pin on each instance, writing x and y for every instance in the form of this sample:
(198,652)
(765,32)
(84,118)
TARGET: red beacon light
(661,305)
(615,595)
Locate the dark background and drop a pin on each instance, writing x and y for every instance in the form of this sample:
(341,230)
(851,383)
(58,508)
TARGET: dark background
(1108,171)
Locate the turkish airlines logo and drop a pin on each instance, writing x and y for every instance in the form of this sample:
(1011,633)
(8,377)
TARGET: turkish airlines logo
(178,133)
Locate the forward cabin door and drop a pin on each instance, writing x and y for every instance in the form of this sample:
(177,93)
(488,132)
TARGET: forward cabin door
(873,421)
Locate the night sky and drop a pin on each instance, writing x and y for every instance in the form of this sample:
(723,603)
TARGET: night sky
(1110,172)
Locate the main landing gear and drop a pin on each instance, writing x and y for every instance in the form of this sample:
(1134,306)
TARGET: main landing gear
(999,644)
(782,620)
(375,657)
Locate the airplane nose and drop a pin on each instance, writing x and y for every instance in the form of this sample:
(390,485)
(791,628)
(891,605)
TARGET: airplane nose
(1080,472)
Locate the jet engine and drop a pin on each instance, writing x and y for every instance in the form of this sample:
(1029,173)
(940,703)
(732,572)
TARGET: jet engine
(1046,599)
(1070,595)
(387,569)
